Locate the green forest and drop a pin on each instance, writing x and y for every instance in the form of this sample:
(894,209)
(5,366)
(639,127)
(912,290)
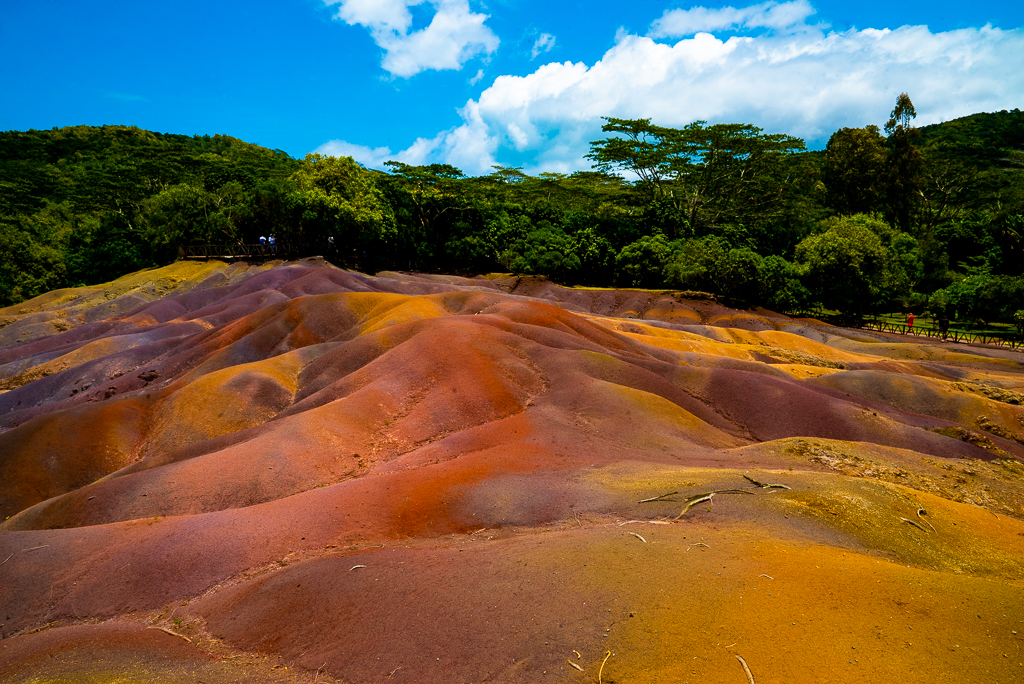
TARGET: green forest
(929,219)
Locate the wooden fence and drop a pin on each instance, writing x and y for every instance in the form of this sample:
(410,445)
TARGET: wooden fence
(952,335)
(237,251)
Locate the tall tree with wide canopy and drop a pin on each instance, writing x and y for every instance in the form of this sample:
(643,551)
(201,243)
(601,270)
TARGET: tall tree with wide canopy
(722,173)
(429,200)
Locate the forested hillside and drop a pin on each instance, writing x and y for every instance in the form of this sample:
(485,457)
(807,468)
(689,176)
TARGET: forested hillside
(83,205)
(927,219)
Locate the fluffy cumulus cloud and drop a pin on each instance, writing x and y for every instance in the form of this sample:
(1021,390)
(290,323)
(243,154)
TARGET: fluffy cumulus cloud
(794,78)
(454,36)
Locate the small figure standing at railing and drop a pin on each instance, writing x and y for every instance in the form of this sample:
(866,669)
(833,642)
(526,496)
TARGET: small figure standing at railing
(944,326)
(910,322)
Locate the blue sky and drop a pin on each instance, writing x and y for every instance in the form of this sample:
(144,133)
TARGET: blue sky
(513,82)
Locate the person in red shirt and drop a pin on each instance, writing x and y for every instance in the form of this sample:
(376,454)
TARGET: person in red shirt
(910,321)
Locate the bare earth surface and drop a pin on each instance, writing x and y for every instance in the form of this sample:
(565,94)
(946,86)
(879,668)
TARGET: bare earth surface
(294,473)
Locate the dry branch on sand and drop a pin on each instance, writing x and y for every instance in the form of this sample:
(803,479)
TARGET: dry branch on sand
(657,498)
(601,671)
(746,669)
(172,633)
(764,485)
(707,496)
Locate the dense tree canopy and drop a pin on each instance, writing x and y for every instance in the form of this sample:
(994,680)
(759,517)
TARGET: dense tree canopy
(854,261)
(340,200)
(856,170)
(92,203)
(916,219)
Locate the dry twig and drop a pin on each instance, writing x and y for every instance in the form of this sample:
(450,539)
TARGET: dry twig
(700,498)
(167,631)
(649,522)
(921,513)
(765,485)
(609,655)
(746,669)
(638,537)
(656,498)
(915,524)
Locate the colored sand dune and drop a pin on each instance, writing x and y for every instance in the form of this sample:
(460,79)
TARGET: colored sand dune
(291,472)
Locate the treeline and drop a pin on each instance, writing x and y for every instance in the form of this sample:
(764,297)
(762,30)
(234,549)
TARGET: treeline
(897,219)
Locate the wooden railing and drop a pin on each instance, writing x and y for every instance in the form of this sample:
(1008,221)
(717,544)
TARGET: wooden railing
(236,251)
(952,335)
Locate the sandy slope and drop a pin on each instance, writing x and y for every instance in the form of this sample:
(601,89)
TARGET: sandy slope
(317,474)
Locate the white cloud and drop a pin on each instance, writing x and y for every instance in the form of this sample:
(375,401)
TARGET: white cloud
(803,81)
(471,146)
(544,43)
(454,36)
(779,16)
(377,15)
(476,79)
(374,157)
